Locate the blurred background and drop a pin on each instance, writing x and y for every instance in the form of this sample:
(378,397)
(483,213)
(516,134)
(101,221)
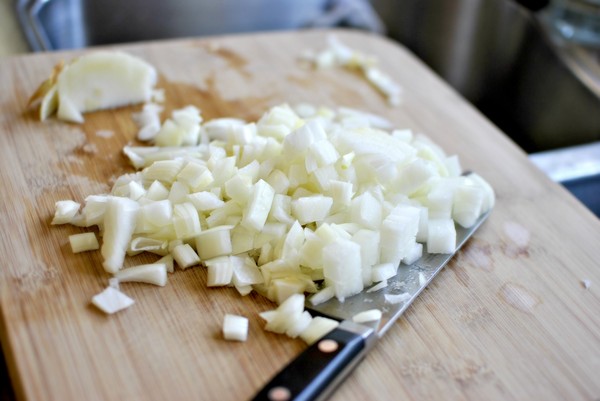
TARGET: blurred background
(531,66)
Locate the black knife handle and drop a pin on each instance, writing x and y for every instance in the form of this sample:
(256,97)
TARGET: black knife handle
(321,367)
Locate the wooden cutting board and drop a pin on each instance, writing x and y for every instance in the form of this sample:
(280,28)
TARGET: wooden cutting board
(508,318)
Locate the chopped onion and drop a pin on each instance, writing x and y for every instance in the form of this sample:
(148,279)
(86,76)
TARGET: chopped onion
(185,256)
(311,209)
(383,271)
(317,328)
(422,279)
(214,242)
(259,205)
(326,202)
(143,244)
(413,254)
(167,260)
(378,286)
(285,316)
(339,55)
(182,129)
(164,171)
(441,237)
(397,298)
(119,224)
(83,242)
(235,328)
(149,121)
(155,273)
(342,268)
(220,271)
(245,271)
(371,315)
(186,221)
(111,300)
(291,318)
(65,211)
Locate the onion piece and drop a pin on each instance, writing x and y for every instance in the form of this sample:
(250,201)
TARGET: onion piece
(143,244)
(371,315)
(83,242)
(338,54)
(186,221)
(383,272)
(65,211)
(284,317)
(235,328)
(102,80)
(245,271)
(111,300)
(185,256)
(119,224)
(342,268)
(442,236)
(220,271)
(317,328)
(299,325)
(397,298)
(378,286)
(148,121)
(214,242)
(259,205)
(167,260)
(155,273)
(413,254)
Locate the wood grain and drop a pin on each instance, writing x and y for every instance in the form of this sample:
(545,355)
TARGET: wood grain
(507,320)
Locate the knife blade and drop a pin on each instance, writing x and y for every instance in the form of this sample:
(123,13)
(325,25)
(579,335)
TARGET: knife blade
(318,370)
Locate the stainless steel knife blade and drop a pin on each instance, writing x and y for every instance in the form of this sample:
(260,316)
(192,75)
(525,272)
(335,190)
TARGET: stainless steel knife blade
(321,367)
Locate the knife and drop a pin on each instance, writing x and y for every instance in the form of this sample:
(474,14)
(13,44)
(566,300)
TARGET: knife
(318,370)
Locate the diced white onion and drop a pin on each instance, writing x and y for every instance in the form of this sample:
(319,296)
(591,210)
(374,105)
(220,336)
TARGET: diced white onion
(220,271)
(397,298)
(413,254)
(378,286)
(245,271)
(65,211)
(326,202)
(235,328)
(422,279)
(119,224)
(111,300)
(185,256)
(167,260)
(83,242)
(155,273)
(317,328)
(214,242)
(371,315)
(383,271)
(259,205)
(143,244)
(441,236)
(148,121)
